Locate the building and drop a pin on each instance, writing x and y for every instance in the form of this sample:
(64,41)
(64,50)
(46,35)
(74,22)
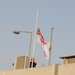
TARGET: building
(57,69)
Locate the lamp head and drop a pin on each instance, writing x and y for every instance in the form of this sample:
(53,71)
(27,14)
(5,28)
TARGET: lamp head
(16,32)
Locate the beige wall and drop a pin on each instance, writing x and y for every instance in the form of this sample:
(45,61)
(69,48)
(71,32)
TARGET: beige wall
(64,69)
(30,71)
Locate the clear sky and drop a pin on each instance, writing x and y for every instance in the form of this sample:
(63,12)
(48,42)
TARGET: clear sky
(21,15)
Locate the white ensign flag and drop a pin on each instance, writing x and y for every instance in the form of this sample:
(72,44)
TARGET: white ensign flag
(40,39)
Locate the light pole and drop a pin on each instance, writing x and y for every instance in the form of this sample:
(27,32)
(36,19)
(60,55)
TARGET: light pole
(18,32)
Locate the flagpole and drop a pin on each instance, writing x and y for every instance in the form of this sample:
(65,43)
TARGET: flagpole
(35,36)
(50,46)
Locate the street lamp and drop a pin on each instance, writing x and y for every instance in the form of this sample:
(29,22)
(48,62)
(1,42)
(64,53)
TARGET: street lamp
(18,32)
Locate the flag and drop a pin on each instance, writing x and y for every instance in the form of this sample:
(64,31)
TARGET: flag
(38,35)
(40,39)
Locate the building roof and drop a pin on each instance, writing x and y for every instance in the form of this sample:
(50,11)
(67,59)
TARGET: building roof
(72,56)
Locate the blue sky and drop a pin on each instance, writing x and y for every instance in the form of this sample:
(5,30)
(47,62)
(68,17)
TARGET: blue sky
(21,15)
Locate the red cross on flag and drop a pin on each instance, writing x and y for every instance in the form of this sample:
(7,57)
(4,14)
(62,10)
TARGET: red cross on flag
(40,39)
